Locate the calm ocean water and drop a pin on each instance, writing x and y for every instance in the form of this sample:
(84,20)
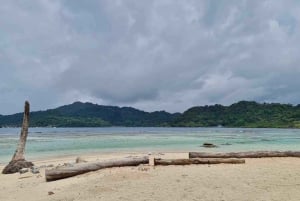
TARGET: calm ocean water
(48,142)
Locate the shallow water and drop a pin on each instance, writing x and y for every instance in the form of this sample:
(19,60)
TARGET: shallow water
(49,142)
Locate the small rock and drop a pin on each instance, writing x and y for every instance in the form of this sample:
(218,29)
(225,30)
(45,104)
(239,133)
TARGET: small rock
(24,170)
(35,170)
(209,145)
(80,160)
(143,168)
(50,193)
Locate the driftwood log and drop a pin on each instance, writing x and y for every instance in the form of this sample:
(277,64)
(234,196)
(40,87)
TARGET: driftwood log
(80,168)
(18,160)
(198,161)
(254,154)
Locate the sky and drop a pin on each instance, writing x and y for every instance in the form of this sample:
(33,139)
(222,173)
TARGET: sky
(149,54)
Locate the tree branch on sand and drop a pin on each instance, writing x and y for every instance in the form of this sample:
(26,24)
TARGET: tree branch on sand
(250,154)
(198,161)
(18,160)
(81,168)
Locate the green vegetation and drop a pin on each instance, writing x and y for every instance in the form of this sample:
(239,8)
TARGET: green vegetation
(241,114)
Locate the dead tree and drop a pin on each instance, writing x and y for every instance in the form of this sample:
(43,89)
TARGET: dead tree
(81,168)
(251,154)
(198,161)
(18,160)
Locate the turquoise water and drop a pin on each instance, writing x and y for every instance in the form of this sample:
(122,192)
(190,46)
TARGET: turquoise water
(50,142)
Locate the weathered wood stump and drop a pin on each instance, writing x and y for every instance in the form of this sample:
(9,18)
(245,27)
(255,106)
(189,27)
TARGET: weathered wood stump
(16,166)
(18,160)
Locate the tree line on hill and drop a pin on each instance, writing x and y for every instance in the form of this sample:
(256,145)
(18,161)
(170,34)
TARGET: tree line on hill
(242,114)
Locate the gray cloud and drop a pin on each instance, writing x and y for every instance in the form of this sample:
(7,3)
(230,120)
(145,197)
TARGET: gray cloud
(154,55)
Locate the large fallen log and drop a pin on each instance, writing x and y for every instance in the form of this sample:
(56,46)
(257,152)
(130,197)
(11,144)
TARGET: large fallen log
(80,168)
(254,154)
(198,161)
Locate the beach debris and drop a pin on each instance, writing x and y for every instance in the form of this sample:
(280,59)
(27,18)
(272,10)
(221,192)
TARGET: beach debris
(51,193)
(46,166)
(209,145)
(143,168)
(198,161)
(151,161)
(80,160)
(251,154)
(18,160)
(81,168)
(16,166)
(26,175)
(23,170)
(35,170)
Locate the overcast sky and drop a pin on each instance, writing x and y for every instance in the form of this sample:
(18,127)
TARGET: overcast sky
(149,54)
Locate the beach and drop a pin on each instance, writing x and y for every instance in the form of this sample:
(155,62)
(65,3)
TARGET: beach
(257,179)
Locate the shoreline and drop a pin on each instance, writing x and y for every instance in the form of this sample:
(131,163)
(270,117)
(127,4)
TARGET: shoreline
(102,156)
(53,143)
(97,154)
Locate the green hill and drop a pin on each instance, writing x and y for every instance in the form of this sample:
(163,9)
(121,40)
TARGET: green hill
(91,115)
(241,114)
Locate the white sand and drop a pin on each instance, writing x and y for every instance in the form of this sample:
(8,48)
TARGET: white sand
(258,179)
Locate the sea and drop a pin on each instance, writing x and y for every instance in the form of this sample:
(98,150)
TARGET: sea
(59,142)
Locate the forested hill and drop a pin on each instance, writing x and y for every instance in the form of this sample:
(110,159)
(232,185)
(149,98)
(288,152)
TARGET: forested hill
(91,115)
(241,114)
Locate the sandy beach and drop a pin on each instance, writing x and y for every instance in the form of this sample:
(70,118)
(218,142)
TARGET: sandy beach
(258,179)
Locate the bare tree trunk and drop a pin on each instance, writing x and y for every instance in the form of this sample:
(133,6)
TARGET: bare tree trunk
(18,160)
(81,168)
(19,154)
(251,154)
(198,161)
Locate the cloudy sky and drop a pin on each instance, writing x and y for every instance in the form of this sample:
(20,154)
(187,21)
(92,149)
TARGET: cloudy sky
(150,54)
